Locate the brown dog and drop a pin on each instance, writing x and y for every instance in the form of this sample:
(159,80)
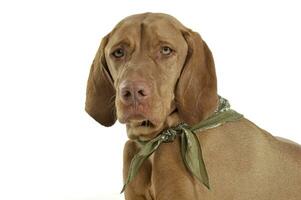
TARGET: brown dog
(151,73)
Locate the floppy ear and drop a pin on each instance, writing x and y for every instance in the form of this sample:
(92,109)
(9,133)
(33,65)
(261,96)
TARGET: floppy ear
(196,92)
(100,95)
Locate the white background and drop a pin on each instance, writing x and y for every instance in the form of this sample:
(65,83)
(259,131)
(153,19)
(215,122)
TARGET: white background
(51,149)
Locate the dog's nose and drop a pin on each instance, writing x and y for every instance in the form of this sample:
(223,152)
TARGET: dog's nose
(134,92)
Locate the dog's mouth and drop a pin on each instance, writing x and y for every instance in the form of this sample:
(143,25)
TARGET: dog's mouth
(142,124)
(146,123)
(143,129)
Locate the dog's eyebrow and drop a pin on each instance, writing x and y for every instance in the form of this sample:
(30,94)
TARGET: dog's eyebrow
(167,43)
(163,42)
(121,42)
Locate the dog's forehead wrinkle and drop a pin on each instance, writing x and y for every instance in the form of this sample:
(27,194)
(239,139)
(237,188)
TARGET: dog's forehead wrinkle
(141,30)
(163,31)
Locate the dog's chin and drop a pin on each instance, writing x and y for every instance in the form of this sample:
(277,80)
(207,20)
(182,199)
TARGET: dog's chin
(143,131)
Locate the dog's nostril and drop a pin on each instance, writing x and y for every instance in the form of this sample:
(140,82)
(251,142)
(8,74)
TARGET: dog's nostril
(126,94)
(141,93)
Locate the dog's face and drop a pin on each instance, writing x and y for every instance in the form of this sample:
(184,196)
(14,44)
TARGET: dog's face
(141,67)
(145,57)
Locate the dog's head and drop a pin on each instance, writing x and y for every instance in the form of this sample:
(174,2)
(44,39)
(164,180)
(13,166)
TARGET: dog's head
(150,73)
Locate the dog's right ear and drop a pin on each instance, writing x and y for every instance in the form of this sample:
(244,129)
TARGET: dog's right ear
(100,94)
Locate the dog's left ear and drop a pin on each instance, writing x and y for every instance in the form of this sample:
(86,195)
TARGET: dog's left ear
(100,97)
(196,92)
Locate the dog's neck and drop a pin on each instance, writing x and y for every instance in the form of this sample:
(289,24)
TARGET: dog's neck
(174,118)
(210,108)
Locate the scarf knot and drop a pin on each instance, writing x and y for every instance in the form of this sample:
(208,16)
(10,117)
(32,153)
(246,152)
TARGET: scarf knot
(169,135)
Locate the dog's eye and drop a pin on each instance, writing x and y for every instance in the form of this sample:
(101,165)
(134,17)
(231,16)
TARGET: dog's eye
(118,53)
(166,50)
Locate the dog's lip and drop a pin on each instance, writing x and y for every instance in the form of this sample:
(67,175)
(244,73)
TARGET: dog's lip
(142,122)
(137,120)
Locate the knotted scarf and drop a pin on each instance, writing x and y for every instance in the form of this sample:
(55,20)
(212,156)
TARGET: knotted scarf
(191,151)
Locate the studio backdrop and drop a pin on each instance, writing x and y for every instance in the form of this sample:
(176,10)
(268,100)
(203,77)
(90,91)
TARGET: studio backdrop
(51,149)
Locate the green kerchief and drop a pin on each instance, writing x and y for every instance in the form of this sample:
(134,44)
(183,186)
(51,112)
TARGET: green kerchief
(190,147)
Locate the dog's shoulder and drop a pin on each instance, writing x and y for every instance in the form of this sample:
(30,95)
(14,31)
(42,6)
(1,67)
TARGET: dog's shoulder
(236,133)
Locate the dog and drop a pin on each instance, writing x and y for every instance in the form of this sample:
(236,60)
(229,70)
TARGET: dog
(152,73)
